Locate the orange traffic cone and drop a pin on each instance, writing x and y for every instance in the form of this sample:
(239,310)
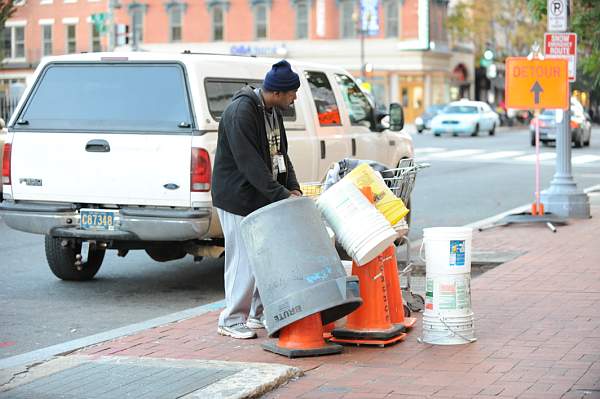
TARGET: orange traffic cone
(371,323)
(394,292)
(303,338)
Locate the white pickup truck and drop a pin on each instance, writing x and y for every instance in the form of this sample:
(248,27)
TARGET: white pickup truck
(114,150)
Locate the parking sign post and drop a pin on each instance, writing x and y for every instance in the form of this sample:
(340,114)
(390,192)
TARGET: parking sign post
(563,197)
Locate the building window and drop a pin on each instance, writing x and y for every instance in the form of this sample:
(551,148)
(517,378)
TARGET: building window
(218,20)
(14,42)
(96,43)
(391,18)
(260,21)
(347,22)
(175,22)
(302,13)
(46,40)
(71,39)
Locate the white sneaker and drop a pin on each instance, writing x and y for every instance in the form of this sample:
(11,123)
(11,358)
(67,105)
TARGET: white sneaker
(255,324)
(237,331)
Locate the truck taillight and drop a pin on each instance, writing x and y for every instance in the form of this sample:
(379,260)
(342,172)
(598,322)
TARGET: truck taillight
(200,170)
(6,163)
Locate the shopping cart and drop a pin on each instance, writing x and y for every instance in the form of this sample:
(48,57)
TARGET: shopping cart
(401,181)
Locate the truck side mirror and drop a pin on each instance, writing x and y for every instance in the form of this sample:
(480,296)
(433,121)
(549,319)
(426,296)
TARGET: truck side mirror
(396,117)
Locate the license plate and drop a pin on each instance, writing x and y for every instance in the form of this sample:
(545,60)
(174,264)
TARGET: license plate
(97,219)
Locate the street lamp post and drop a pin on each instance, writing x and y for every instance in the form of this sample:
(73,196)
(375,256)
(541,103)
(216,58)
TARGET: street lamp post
(363,73)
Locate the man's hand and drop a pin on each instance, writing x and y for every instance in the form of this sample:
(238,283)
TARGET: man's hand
(295,193)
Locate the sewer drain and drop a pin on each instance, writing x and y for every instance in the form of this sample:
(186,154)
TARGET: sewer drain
(108,381)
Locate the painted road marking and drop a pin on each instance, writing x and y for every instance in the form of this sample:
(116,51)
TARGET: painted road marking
(428,150)
(544,156)
(499,155)
(457,153)
(579,159)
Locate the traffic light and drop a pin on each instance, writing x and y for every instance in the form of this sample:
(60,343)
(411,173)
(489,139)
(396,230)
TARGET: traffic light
(487,59)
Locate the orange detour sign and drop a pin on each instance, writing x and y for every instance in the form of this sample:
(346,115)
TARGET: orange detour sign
(537,83)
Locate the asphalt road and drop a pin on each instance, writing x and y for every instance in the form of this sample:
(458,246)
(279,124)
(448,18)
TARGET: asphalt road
(472,178)
(38,310)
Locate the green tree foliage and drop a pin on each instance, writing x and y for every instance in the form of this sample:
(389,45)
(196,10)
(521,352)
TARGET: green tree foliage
(7,9)
(508,27)
(585,21)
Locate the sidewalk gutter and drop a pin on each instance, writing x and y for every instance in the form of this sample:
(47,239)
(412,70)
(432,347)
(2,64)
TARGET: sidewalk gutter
(41,355)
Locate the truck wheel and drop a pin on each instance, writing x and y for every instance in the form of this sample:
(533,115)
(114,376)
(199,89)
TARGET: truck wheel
(493,131)
(476,130)
(62,260)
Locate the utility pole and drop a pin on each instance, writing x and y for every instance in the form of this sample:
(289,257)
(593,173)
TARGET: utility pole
(111,25)
(563,198)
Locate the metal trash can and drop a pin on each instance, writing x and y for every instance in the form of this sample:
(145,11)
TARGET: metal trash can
(298,271)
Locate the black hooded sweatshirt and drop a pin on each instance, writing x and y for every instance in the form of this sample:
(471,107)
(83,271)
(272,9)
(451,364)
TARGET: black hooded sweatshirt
(242,179)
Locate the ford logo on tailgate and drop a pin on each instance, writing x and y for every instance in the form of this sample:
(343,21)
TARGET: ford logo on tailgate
(171,186)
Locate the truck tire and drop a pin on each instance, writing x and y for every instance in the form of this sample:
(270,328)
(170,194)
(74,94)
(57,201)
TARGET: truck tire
(62,261)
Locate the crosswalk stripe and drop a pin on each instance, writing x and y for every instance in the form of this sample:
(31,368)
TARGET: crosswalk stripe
(471,154)
(579,159)
(543,157)
(500,154)
(456,153)
(428,150)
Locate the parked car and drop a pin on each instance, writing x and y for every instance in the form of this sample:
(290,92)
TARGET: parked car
(114,150)
(465,117)
(423,122)
(581,126)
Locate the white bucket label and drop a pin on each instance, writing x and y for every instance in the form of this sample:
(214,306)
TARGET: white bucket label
(447,293)
(457,253)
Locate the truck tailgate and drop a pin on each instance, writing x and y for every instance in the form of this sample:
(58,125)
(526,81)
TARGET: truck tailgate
(102,168)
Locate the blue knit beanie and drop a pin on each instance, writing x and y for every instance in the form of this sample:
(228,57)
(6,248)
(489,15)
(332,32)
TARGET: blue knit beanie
(281,78)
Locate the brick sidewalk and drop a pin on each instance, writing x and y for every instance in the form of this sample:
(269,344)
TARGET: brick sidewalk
(537,323)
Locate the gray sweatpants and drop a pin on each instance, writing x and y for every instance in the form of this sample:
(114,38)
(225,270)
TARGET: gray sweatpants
(241,296)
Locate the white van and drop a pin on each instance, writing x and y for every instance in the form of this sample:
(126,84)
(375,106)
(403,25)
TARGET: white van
(114,150)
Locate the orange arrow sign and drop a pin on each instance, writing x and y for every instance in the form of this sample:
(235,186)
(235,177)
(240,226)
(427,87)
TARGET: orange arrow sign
(536,83)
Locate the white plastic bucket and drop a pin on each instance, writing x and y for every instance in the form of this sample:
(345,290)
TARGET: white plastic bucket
(447,250)
(448,295)
(448,330)
(359,227)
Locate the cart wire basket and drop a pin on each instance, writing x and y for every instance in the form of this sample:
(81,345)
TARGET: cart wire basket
(401,180)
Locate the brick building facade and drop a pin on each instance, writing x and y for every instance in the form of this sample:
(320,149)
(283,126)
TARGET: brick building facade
(405,52)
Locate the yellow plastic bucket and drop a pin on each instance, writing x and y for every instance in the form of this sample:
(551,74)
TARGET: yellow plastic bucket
(392,207)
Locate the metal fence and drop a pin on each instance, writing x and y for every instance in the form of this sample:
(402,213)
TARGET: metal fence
(7,106)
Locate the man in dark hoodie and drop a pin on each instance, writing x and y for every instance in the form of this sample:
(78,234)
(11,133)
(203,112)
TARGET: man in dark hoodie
(251,169)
